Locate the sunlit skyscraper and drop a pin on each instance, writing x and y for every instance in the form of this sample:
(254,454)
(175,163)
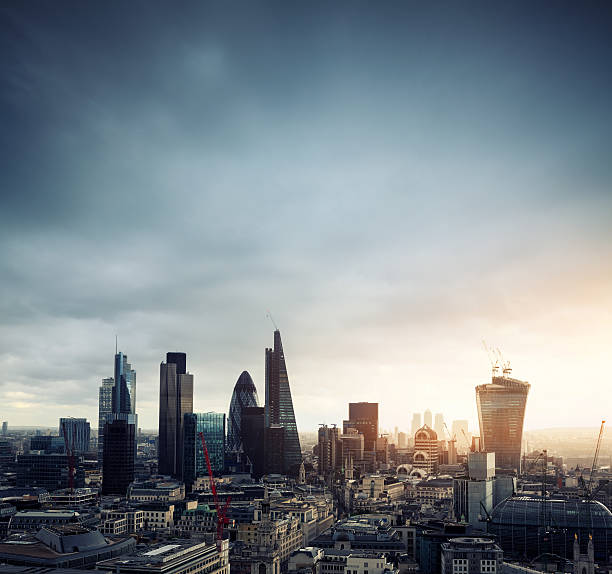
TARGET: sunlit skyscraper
(501,411)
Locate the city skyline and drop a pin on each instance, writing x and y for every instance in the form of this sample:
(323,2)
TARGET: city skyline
(395,183)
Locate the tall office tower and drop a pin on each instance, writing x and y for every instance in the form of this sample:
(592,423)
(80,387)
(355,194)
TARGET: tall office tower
(253,429)
(352,445)
(501,411)
(402,440)
(105,408)
(438,425)
(212,426)
(244,395)
(4,428)
(120,431)
(426,455)
(364,418)
(175,400)
(427,419)
(279,407)
(77,432)
(330,450)
(416,423)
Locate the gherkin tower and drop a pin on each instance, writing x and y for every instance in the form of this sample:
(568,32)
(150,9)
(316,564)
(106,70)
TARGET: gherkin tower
(244,395)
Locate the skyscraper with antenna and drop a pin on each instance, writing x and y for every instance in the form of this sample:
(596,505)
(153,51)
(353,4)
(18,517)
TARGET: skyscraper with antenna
(279,407)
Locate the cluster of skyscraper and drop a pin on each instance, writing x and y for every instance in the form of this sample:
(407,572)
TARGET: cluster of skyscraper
(257,439)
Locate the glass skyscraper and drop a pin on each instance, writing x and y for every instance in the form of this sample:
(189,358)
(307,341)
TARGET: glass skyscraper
(501,411)
(212,426)
(120,431)
(244,395)
(105,408)
(175,400)
(364,418)
(279,406)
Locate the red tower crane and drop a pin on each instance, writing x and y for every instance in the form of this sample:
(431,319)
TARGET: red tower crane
(69,456)
(222,519)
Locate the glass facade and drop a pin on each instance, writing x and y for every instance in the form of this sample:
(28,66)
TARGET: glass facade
(105,408)
(212,425)
(501,410)
(279,405)
(245,395)
(527,526)
(78,433)
(364,418)
(124,396)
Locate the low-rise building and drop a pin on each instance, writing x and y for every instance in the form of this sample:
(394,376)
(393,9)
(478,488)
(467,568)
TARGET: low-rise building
(156,491)
(176,557)
(471,556)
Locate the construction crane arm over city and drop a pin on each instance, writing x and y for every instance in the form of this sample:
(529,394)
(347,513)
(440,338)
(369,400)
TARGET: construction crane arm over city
(222,519)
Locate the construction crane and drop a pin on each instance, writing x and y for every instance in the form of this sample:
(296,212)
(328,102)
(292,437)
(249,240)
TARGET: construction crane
(69,456)
(467,440)
(492,359)
(589,487)
(222,519)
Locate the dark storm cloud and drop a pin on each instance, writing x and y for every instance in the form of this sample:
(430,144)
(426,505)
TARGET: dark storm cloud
(381,176)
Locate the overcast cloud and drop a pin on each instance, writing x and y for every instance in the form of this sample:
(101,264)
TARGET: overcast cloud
(394,181)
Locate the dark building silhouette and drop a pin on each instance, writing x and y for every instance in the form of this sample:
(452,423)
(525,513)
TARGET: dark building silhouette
(212,426)
(274,449)
(47,470)
(253,429)
(501,411)
(120,431)
(364,418)
(279,407)
(175,400)
(119,440)
(330,450)
(78,433)
(244,395)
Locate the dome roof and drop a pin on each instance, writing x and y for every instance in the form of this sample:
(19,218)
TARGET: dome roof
(527,511)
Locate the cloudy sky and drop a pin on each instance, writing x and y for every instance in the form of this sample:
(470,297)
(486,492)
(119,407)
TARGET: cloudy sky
(395,181)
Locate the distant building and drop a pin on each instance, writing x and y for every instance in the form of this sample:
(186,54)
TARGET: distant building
(438,425)
(78,433)
(501,411)
(416,423)
(330,450)
(212,426)
(427,418)
(175,400)
(426,454)
(244,396)
(402,440)
(471,555)
(364,418)
(105,408)
(279,406)
(4,428)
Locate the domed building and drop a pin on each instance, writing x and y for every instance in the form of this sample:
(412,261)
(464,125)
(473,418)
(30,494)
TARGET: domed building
(426,449)
(527,527)
(244,395)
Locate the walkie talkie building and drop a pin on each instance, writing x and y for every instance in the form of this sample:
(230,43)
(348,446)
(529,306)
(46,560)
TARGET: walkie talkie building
(501,411)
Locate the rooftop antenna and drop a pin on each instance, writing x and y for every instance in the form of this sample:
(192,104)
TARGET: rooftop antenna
(269,315)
